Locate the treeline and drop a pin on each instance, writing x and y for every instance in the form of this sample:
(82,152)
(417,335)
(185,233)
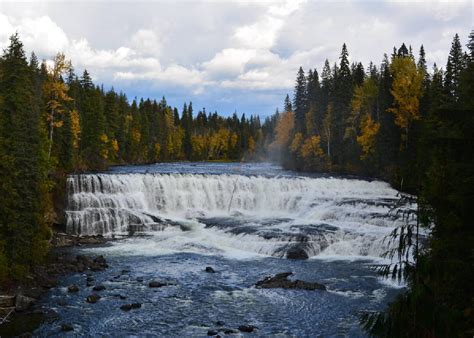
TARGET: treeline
(352,119)
(53,122)
(415,128)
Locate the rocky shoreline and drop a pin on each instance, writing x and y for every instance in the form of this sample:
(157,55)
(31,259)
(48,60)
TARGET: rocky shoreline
(19,313)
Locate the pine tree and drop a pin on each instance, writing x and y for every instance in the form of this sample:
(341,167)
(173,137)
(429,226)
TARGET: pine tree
(300,101)
(23,192)
(287,106)
(454,67)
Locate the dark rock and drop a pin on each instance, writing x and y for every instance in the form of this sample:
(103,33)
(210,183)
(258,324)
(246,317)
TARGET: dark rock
(246,328)
(33,292)
(297,253)
(139,279)
(26,335)
(23,303)
(125,271)
(212,332)
(128,307)
(86,260)
(209,269)
(90,279)
(66,327)
(89,284)
(159,284)
(220,323)
(100,260)
(73,288)
(98,288)
(93,298)
(281,280)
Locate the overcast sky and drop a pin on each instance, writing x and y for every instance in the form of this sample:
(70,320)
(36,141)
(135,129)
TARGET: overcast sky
(226,56)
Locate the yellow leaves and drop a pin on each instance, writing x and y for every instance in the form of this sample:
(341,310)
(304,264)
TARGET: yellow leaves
(58,124)
(284,129)
(75,128)
(136,135)
(406,91)
(296,143)
(104,151)
(311,148)
(115,145)
(369,129)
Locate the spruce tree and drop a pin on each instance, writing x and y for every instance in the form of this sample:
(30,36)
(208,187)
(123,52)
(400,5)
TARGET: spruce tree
(23,192)
(454,67)
(300,101)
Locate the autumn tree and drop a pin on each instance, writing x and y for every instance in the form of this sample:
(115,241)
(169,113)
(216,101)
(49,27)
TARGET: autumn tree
(406,91)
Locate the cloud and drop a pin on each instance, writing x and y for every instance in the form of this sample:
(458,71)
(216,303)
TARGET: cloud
(229,55)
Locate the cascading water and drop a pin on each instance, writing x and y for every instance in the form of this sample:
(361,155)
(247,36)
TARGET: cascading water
(279,216)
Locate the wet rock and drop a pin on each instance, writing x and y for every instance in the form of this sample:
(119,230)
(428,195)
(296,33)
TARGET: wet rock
(89,284)
(281,280)
(90,279)
(209,269)
(23,303)
(159,284)
(26,335)
(128,307)
(297,253)
(66,327)
(125,271)
(93,298)
(73,288)
(139,279)
(212,332)
(220,323)
(99,287)
(7,301)
(246,328)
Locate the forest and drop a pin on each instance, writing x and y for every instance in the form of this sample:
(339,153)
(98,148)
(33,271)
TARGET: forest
(398,121)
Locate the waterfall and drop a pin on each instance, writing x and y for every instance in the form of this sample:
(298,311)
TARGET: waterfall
(268,215)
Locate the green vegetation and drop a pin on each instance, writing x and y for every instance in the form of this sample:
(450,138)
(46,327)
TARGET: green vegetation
(398,122)
(415,129)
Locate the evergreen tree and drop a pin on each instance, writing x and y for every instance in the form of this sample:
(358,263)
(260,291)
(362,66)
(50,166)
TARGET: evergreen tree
(300,101)
(23,165)
(454,67)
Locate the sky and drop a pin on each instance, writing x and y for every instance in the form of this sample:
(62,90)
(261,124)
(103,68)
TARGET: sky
(226,56)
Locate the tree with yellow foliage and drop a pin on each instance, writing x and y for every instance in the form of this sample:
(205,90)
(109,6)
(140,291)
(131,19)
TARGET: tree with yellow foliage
(284,130)
(369,129)
(406,91)
(56,94)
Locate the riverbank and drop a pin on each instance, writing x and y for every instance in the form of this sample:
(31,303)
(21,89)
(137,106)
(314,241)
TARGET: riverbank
(20,311)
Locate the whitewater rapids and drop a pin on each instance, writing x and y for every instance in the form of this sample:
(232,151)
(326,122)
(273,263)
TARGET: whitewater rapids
(236,214)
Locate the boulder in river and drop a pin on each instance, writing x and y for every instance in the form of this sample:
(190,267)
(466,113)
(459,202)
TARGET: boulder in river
(280,280)
(297,253)
(93,298)
(128,307)
(99,287)
(159,284)
(246,328)
(67,327)
(209,269)
(73,288)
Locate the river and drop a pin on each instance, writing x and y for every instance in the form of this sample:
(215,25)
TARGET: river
(172,220)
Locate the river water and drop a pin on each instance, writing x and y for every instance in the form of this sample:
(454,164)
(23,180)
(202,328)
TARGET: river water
(246,221)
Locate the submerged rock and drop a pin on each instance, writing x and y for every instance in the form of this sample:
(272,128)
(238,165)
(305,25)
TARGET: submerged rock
(246,328)
(212,332)
(159,284)
(67,327)
(128,307)
(209,269)
(280,280)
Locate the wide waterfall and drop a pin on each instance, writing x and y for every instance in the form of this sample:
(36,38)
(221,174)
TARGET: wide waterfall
(268,215)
